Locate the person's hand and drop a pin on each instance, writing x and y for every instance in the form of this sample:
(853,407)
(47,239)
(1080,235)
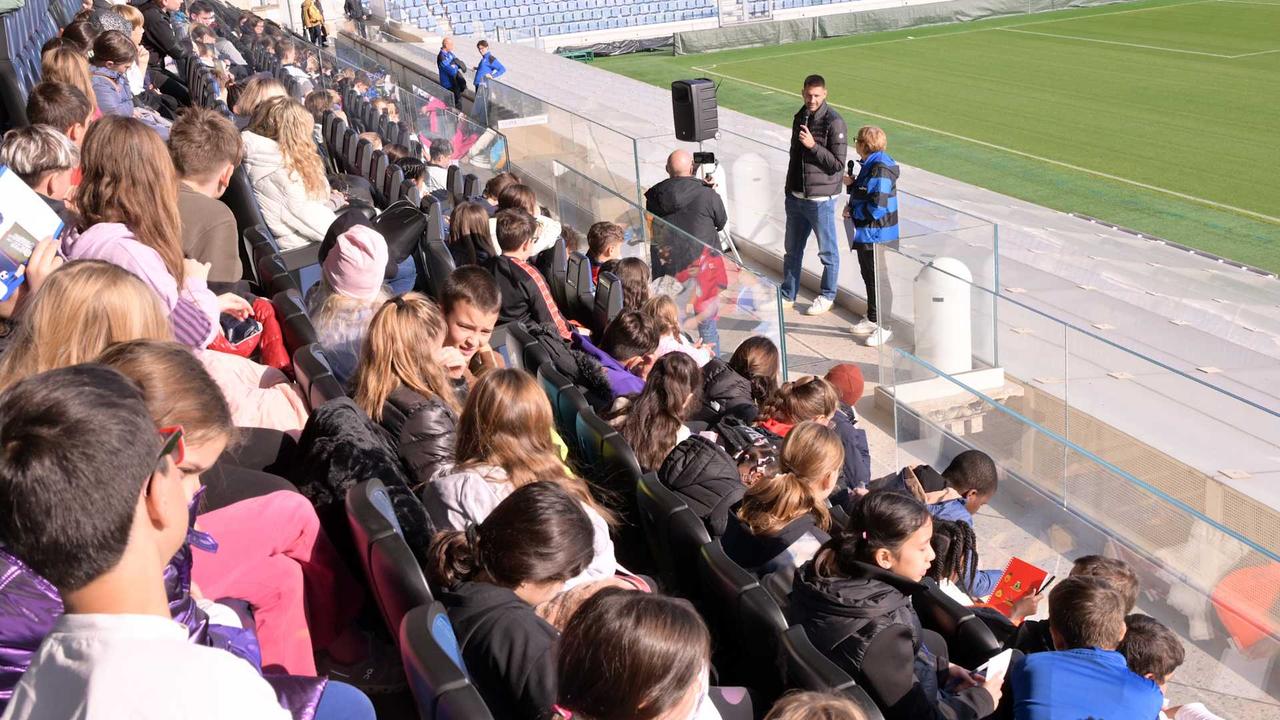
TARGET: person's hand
(993,687)
(234,305)
(959,678)
(847,180)
(196,269)
(44,260)
(806,138)
(195,591)
(709,181)
(1025,607)
(451,359)
(848,212)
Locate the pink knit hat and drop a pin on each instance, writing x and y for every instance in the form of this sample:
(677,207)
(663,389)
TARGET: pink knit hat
(357,264)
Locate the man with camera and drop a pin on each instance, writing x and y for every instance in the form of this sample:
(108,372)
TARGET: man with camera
(687,202)
(452,71)
(814,180)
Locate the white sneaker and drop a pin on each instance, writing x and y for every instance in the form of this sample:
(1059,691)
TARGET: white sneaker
(865,327)
(879,337)
(820,305)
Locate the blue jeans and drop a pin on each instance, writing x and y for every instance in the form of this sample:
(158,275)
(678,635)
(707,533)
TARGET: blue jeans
(804,217)
(341,701)
(710,334)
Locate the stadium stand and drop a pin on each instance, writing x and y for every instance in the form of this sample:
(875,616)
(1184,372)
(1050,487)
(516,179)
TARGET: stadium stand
(467,17)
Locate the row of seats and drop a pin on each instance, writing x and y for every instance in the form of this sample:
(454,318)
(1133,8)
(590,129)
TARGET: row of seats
(23,30)
(470,18)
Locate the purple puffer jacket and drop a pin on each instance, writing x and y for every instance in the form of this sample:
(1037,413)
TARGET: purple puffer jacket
(29,605)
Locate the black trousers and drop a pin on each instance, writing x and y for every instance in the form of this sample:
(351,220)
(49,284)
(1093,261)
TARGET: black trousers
(870,267)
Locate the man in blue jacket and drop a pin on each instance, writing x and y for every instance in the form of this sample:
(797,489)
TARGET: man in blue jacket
(452,71)
(488,67)
(873,210)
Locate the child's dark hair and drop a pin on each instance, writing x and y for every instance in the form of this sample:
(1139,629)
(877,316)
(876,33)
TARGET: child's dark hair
(77,446)
(630,335)
(471,284)
(514,227)
(1087,612)
(630,656)
(807,398)
(655,416)
(955,548)
(973,470)
(1150,648)
(634,274)
(1117,572)
(757,360)
(539,533)
(883,520)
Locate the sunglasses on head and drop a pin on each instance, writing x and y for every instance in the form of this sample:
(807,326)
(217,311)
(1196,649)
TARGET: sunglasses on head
(173,445)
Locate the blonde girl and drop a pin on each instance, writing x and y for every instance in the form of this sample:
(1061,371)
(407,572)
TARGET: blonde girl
(666,317)
(287,174)
(807,398)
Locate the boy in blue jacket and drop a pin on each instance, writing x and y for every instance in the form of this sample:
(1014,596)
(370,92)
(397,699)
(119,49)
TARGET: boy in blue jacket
(873,215)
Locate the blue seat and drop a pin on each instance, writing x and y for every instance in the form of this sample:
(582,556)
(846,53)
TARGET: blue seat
(392,570)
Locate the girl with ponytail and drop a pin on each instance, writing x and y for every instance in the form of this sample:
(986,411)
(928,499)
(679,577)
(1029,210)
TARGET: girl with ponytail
(854,601)
(491,576)
(783,519)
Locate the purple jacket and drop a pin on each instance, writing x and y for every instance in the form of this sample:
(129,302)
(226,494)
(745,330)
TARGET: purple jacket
(621,380)
(193,308)
(29,605)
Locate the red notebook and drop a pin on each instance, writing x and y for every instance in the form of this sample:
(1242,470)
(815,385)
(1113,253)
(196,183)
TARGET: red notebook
(1020,579)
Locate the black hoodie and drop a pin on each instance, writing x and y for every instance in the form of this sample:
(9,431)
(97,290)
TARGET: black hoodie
(867,626)
(691,205)
(509,651)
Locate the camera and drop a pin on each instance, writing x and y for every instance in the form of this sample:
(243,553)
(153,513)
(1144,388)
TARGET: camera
(704,158)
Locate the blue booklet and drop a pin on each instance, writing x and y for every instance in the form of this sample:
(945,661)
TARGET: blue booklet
(25,219)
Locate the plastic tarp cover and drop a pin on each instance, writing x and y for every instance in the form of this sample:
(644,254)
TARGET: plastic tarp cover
(778,32)
(620,47)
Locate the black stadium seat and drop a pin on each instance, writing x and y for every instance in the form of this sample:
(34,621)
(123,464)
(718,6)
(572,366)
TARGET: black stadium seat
(294,322)
(675,535)
(439,264)
(453,184)
(744,621)
(433,664)
(553,264)
(409,192)
(377,170)
(391,180)
(273,275)
(22,31)
(970,641)
(579,289)
(613,473)
(517,340)
(390,566)
(808,669)
(431,207)
(608,301)
(470,186)
(315,378)
(567,401)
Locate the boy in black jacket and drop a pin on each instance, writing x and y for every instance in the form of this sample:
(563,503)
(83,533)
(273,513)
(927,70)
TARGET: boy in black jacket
(525,294)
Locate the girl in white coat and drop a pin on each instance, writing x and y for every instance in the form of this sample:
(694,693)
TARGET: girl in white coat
(287,174)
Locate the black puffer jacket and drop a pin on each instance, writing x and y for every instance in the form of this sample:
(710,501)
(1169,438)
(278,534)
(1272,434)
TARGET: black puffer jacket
(577,366)
(817,171)
(724,392)
(425,430)
(158,36)
(704,475)
(689,204)
(866,625)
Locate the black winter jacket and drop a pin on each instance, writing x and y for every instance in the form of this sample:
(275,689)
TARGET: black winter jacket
(509,651)
(521,298)
(724,392)
(704,475)
(867,626)
(158,36)
(817,171)
(689,204)
(425,430)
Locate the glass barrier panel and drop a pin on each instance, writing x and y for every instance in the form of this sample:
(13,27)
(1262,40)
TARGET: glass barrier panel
(1214,587)
(720,301)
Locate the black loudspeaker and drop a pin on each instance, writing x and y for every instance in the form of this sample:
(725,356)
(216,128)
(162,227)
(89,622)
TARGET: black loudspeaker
(693,102)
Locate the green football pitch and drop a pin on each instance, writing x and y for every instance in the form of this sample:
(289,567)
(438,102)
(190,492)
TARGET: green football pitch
(1160,115)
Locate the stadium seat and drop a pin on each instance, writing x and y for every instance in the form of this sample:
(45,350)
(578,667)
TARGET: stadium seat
(363,158)
(675,535)
(315,378)
(553,264)
(243,203)
(608,301)
(579,289)
(391,180)
(744,621)
(432,208)
(392,570)
(273,276)
(567,401)
(806,668)
(294,321)
(433,664)
(377,170)
(409,192)
(438,262)
(970,641)
(453,183)
(516,341)
(470,186)
(613,473)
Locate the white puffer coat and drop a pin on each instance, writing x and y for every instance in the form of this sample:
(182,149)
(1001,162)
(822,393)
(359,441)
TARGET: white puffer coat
(294,217)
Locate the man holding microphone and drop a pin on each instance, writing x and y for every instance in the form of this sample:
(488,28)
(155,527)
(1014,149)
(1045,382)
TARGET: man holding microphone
(814,180)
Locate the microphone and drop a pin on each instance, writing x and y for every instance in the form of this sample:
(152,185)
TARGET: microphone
(808,117)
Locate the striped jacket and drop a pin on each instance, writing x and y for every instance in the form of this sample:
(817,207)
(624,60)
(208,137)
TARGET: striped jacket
(873,200)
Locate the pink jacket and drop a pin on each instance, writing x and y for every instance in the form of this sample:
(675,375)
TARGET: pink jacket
(259,396)
(193,311)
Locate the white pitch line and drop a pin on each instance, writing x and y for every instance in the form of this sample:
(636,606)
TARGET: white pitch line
(1260,52)
(1117,42)
(1014,151)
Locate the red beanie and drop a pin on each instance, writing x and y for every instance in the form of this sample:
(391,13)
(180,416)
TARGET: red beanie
(846,378)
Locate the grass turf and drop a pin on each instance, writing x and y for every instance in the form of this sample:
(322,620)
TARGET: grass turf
(1160,115)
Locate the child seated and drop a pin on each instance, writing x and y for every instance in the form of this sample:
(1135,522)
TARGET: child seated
(971,481)
(846,378)
(627,351)
(661,309)
(604,243)
(807,398)
(350,291)
(653,422)
(815,706)
(1084,676)
(115,483)
(46,160)
(471,303)
(1033,636)
(525,294)
(783,519)
(1155,652)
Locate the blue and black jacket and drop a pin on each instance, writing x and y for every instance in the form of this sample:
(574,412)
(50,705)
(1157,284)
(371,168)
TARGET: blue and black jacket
(873,200)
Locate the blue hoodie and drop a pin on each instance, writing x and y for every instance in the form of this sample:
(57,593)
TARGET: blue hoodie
(873,200)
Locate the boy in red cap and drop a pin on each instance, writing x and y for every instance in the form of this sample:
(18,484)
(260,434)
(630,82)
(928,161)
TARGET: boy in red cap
(846,378)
